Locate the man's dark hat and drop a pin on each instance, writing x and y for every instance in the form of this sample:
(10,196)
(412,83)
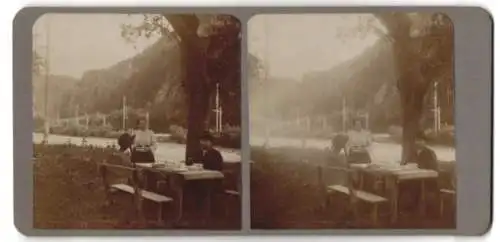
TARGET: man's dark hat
(421,136)
(207,136)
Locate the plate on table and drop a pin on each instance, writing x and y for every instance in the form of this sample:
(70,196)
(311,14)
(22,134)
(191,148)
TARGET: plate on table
(194,168)
(179,169)
(158,165)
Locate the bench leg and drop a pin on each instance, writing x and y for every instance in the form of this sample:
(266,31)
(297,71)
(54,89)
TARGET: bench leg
(375,215)
(441,205)
(423,199)
(327,200)
(160,213)
(395,202)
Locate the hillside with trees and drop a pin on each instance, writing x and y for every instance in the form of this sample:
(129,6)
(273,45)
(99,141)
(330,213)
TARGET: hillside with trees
(151,81)
(367,81)
(59,88)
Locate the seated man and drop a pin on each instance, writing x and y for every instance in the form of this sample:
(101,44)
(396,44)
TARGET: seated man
(425,157)
(211,160)
(209,156)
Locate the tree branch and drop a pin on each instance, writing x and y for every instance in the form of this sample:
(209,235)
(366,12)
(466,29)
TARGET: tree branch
(186,27)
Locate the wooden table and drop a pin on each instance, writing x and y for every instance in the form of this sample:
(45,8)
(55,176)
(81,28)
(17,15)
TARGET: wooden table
(178,186)
(395,175)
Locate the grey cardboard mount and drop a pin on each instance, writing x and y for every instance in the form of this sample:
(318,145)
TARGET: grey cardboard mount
(473,28)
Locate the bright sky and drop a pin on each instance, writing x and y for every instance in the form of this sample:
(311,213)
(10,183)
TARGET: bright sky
(296,43)
(82,42)
(300,43)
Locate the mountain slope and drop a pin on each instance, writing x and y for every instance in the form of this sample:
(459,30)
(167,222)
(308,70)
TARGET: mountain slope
(150,81)
(58,89)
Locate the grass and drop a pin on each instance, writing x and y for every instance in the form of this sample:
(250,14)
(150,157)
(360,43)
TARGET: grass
(69,194)
(286,194)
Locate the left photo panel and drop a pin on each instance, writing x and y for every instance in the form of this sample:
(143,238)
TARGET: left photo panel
(137,121)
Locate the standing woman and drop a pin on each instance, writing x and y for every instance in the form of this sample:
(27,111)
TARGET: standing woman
(144,144)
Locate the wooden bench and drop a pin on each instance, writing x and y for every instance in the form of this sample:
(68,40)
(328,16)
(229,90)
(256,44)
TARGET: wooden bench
(232,193)
(133,175)
(443,194)
(155,197)
(370,198)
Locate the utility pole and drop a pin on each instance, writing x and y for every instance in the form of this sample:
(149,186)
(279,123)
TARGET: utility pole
(367,120)
(124,113)
(58,114)
(77,121)
(86,121)
(266,78)
(47,73)
(344,115)
(437,111)
(218,110)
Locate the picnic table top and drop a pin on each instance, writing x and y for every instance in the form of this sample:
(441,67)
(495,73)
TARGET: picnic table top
(401,172)
(188,175)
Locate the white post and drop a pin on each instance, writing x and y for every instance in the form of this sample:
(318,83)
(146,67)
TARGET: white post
(77,121)
(147,120)
(124,113)
(344,114)
(220,119)
(217,110)
(367,121)
(47,73)
(436,109)
(86,121)
(58,115)
(266,79)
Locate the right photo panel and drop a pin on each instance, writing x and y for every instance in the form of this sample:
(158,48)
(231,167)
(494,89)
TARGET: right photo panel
(352,121)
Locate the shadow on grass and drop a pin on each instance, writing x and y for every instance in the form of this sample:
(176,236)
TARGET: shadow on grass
(286,194)
(69,194)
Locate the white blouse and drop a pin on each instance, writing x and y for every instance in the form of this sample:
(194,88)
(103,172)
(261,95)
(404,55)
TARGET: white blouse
(145,138)
(359,138)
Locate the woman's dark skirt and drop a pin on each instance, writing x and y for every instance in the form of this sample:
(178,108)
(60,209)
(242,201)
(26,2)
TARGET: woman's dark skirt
(359,157)
(142,157)
(149,180)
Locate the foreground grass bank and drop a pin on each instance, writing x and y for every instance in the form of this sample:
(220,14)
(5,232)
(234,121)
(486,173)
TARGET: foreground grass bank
(286,193)
(69,193)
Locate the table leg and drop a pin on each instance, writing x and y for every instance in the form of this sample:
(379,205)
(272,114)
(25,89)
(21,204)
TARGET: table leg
(208,204)
(395,201)
(361,181)
(423,199)
(178,187)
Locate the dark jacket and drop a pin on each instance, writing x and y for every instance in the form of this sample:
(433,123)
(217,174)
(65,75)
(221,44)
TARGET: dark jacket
(211,160)
(427,159)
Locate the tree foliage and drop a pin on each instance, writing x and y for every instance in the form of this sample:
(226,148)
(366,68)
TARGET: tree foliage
(210,55)
(423,49)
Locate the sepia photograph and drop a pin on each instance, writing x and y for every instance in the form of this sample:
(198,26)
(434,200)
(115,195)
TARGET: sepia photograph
(352,121)
(137,121)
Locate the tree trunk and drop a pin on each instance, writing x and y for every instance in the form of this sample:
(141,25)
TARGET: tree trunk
(198,97)
(196,125)
(412,94)
(410,124)
(195,80)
